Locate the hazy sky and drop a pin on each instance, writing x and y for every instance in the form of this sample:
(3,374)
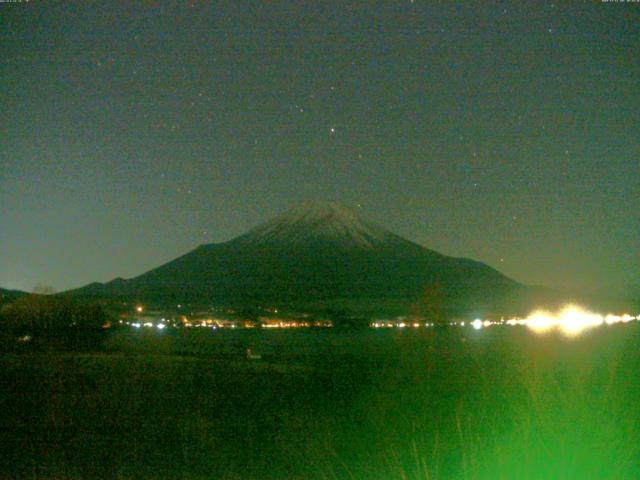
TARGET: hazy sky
(505,132)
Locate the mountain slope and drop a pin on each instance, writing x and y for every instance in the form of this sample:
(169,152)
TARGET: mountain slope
(319,255)
(7,296)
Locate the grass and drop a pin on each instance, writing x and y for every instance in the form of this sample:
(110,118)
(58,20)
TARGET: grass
(497,403)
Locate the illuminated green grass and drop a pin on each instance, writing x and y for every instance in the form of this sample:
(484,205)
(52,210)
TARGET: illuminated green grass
(496,403)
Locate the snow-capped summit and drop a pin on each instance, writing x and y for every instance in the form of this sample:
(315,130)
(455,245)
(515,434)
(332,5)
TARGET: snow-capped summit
(317,221)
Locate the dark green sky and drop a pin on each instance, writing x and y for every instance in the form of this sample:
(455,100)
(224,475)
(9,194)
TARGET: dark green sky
(507,132)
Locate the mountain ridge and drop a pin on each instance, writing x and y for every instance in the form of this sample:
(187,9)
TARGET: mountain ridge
(320,253)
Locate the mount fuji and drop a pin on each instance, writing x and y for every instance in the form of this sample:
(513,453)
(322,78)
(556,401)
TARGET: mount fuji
(320,255)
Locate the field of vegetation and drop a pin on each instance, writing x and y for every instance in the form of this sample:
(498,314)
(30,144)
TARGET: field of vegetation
(444,403)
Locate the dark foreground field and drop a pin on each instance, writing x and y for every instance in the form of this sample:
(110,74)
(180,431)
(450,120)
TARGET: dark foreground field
(441,404)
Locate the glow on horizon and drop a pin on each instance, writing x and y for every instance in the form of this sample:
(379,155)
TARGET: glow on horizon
(571,320)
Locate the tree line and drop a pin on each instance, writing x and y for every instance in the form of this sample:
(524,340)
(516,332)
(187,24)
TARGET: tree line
(46,319)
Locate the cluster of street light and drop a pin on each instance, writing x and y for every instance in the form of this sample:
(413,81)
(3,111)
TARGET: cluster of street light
(570,320)
(159,326)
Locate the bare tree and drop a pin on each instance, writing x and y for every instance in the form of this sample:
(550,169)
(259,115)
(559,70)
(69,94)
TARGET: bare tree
(42,289)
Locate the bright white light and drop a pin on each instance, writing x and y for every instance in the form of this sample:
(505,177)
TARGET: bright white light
(571,320)
(135,325)
(148,324)
(611,319)
(160,326)
(540,321)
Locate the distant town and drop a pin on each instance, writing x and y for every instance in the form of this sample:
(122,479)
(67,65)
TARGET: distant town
(218,318)
(570,320)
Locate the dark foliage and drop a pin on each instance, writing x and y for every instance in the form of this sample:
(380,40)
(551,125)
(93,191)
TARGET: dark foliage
(41,321)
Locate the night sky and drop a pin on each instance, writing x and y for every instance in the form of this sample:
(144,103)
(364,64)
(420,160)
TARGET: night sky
(505,132)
